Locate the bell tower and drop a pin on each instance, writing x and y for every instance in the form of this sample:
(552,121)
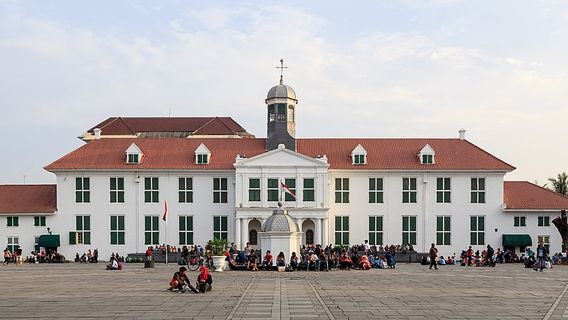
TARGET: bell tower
(281,115)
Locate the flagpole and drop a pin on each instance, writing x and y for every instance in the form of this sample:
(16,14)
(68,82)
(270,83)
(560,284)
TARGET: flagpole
(281,190)
(165,218)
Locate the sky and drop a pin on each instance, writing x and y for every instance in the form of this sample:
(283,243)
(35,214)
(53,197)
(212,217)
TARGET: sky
(393,68)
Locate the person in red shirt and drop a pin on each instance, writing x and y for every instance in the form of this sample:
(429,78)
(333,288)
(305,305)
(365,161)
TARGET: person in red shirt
(149,254)
(180,281)
(469,256)
(204,280)
(267,261)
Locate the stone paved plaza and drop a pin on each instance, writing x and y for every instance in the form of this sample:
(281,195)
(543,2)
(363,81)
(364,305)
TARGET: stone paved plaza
(72,291)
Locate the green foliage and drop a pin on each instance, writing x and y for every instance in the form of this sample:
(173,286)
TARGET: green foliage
(218,246)
(560,184)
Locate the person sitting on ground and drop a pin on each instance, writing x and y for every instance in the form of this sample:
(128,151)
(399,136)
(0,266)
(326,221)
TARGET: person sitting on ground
(113,264)
(267,261)
(180,281)
(77,258)
(442,261)
(281,260)
(312,261)
(323,258)
(424,261)
(252,261)
(294,261)
(204,280)
(364,263)
(345,261)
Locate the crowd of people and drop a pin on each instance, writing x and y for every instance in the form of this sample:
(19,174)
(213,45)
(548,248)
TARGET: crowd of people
(43,256)
(488,257)
(318,258)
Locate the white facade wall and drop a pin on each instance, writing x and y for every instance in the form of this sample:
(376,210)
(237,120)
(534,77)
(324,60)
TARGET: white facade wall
(135,209)
(426,209)
(532,228)
(26,232)
(319,216)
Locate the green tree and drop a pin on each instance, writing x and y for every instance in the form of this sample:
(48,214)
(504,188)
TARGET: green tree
(560,184)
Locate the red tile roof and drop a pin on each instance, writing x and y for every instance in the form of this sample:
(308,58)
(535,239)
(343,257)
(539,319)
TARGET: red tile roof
(179,153)
(451,154)
(28,198)
(133,125)
(526,195)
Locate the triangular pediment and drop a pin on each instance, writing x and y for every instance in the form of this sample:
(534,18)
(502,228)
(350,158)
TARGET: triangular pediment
(427,149)
(359,150)
(133,149)
(280,158)
(202,149)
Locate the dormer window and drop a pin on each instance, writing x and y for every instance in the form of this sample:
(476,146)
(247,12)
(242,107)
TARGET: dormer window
(202,154)
(426,155)
(133,154)
(202,159)
(359,155)
(133,158)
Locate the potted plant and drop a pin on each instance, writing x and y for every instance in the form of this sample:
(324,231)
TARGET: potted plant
(218,248)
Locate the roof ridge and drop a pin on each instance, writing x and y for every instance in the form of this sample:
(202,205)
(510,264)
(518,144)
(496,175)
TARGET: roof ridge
(203,126)
(127,126)
(226,126)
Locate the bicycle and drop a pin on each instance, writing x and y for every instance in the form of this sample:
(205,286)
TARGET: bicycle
(196,261)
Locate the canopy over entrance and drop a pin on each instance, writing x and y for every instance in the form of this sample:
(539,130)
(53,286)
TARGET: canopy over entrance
(49,241)
(517,240)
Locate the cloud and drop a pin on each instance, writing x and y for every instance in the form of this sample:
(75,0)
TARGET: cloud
(61,78)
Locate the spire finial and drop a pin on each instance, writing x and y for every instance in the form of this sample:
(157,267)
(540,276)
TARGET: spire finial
(282,67)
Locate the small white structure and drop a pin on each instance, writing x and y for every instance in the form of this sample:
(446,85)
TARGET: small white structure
(280,233)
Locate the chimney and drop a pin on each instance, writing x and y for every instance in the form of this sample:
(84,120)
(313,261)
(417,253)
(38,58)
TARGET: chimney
(97,133)
(462,134)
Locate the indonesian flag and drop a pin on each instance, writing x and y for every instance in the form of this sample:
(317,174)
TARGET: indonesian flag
(165,211)
(287,190)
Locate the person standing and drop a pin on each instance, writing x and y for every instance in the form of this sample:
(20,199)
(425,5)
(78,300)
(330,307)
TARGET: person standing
(433,256)
(541,256)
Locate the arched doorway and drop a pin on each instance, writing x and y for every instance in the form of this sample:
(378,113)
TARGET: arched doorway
(308,228)
(253,230)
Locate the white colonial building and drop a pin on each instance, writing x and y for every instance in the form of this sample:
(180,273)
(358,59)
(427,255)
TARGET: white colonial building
(217,180)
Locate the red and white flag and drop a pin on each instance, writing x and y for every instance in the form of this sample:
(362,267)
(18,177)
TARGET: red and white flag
(165,211)
(287,190)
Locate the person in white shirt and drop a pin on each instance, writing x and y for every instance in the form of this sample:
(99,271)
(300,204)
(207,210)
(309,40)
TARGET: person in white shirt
(366,246)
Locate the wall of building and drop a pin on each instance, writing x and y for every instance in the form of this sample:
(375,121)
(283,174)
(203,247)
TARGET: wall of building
(426,209)
(324,209)
(135,209)
(26,232)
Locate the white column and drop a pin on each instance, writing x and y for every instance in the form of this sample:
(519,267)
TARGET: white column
(244,232)
(317,235)
(238,233)
(325,232)
(300,221)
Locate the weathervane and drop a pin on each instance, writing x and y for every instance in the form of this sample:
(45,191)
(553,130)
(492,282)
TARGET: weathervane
(282,67)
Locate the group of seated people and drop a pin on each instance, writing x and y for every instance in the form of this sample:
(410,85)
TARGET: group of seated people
(88,256)
(114,262)
(314,257)
(181,283)
(43,256)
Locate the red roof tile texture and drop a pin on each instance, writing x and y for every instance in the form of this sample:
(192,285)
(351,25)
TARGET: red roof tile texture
(179,153)
(132,125)
(526,195)
(28,198)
